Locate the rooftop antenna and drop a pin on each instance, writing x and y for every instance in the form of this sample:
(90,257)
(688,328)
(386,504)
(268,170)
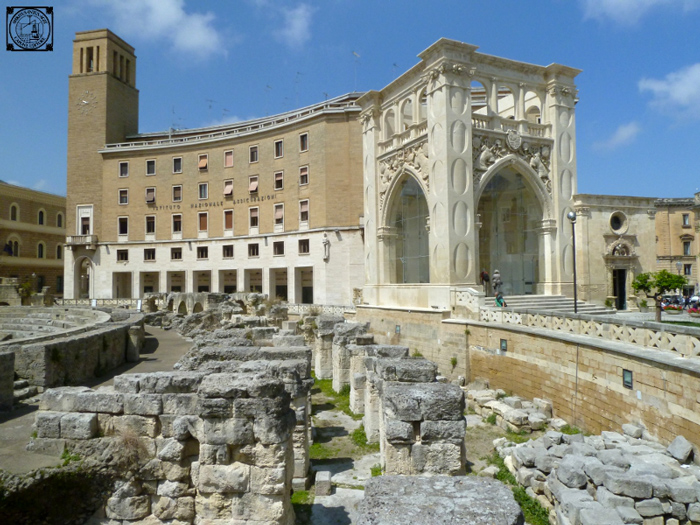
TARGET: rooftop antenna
(325,95)
(296,88)
(394,67)
(357,59)
(268,88)
(210,102)
(174,124)
(224,113)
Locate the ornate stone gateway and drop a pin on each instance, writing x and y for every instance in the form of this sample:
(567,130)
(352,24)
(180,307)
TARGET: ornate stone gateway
(489,144)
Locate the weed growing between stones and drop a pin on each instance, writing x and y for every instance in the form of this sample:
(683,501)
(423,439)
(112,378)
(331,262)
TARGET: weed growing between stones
(340,400)
(359,438)
(570,430)
(417,354)
(321,451)
(67,457)
(535,514)
(376,470)
(491,419)
(302,501)
(518,437)
(453,362)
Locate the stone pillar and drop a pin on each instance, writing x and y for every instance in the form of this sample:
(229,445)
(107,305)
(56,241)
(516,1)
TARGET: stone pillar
(7,380)
(370,150)
(134,343)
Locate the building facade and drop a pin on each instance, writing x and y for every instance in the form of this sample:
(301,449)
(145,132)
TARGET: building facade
(616,241)
(32,232)
(677,248)
(272,205)
(470,164)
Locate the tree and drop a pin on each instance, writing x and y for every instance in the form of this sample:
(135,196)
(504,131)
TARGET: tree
(655,284)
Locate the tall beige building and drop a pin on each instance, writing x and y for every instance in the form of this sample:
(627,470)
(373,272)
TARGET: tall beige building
(32,232)
(271,205)
(676,244)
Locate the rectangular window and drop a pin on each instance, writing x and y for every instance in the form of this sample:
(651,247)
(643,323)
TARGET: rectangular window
(150,167)
(202,252)
(203,162)
(177,164)
(228,251)
(122,255)
(303,175)
(253,184)
(304,211)
(279,180)
(278,248)
(686,219)
(177,223)
(176,254)
(687,269)
(228,159)
(203,221)
(149,254)
(123,196)
(150,195)
(253,250)
(123,225)
(150,224)
(177,193)
(279,149)
(123,169)
(228,188)
(203,190)
(253,154)
(253,217)
(686,247)
(303,246)
(228,220)
(304,142)
(279,213)
(59,284)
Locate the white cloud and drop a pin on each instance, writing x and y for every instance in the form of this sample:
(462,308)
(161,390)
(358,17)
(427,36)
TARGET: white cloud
(624,134)
(677,94)
(630,11)
(40,185)
(296,29)
(192,33)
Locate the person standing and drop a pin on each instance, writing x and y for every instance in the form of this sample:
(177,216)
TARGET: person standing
(484,278)
(497,282)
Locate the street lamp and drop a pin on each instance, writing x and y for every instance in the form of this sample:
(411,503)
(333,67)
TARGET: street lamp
(572,218)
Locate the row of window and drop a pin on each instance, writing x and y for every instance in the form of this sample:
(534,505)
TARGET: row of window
(149,254)
(203,219)
(203,158)
(40,216)
(203,187)
(12,248)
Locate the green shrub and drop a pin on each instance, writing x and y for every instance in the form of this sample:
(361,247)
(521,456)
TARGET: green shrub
(570,430)
(359,438)
(417,354)
(376,470)
(491,420)
(67,457)
(453,362)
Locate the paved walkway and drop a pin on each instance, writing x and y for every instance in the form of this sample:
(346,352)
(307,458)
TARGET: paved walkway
(161,351)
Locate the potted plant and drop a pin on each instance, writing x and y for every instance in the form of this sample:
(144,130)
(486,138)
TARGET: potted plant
(673,309)
(694,312)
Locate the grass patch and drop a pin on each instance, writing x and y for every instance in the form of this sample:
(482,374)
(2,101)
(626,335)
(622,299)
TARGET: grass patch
(321,451)
(518,437)
(376,470)
(683,323)
(67,457)
(570,430)
(340,400)
(535,514)
(491,419)
(359,438)
(302,501)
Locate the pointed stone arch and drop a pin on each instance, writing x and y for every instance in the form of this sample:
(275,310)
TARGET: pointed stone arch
(83,277)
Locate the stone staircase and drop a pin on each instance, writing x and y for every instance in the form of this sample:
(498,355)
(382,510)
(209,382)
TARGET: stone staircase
(23,390)
(554,303)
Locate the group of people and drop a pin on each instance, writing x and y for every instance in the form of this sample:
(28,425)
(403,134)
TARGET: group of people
(496,283)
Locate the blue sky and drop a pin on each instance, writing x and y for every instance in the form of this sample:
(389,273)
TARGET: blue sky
(206,62)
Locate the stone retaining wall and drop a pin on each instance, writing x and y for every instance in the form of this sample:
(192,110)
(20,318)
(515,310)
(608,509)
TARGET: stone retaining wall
(209,448)
(7,380)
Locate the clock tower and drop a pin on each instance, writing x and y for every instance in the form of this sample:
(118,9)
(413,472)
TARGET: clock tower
(103,105)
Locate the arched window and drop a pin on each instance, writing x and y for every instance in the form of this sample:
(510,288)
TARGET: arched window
(59,251)
(410,218)
(407,114)
(15,248)
(14,212)
(59,220)
(423,107)
(40,218)
(389,124)
(40,250)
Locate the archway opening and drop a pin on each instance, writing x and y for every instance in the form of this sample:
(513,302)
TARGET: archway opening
(410,220)
(510,216)
(82,277)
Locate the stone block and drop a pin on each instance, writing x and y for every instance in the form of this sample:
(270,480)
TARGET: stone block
(648,508)
(571,472)
(48,424)
(524,457)
(268,481)
(406,370)
(694,512)
(170,450)
(213,507)
(134,508)
(172,489)
(599,516)
(396,431)
(632,430)
(445,431)
(438,458)
(551,438)
(132,424)
(397,459)
(234,431)
(537,420)
(683,490)
(624,484)
(127,383)
(629,515)
(78,426)
(680,448)
(613,501)
(323,483)
(180,404)
(62,399)
(104,402)
(224,478)
(143,404)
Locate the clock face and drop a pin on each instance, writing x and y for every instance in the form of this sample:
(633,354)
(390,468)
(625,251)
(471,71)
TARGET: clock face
(86,102)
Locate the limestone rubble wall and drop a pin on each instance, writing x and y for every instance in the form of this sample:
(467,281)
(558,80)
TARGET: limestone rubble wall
(7,380)
(210,448)
(580,376)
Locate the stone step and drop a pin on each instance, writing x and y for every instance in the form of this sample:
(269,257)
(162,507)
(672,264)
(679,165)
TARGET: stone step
(25,393)
(22,383)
